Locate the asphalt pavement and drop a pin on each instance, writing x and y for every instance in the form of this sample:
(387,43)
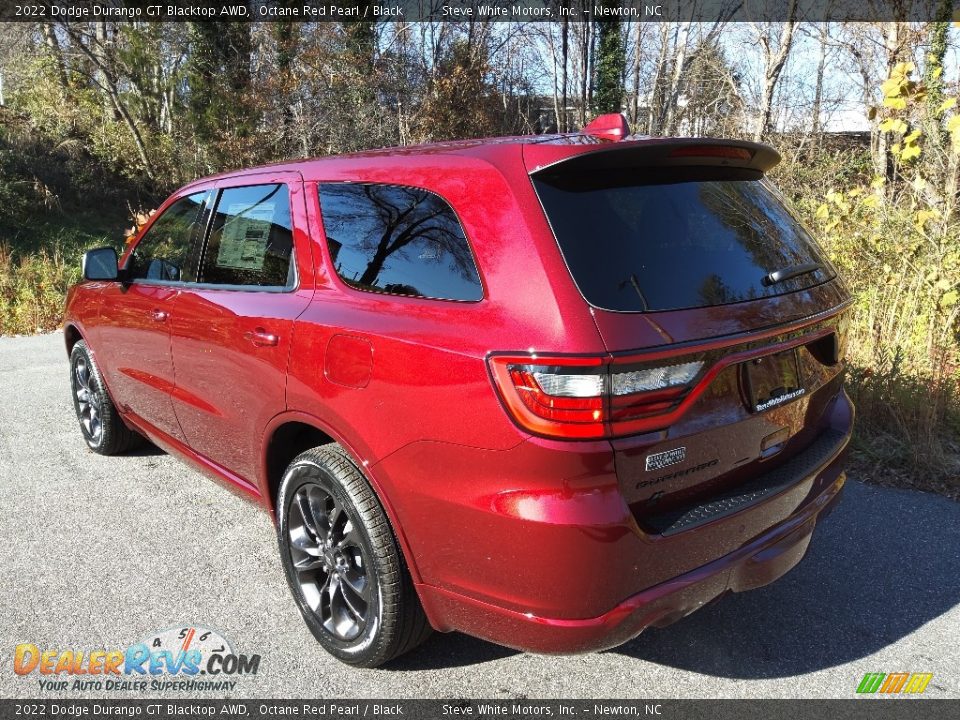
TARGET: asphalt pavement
(99,552)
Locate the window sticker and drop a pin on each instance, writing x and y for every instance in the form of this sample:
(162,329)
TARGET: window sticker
(243,244)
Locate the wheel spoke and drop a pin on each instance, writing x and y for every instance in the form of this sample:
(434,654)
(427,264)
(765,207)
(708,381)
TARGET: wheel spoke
(303,542)
(306,513)
(351,600)
(308,562)
(333,517)
(83,375)
(319,513)
(357,583)
(350,539)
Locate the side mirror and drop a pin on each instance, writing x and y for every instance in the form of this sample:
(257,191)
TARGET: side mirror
(100,264)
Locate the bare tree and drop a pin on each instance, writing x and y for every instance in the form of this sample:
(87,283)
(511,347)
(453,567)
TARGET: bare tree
(96,47)
(776,49)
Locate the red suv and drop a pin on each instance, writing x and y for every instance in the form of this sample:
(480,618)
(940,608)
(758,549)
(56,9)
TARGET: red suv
(548,391)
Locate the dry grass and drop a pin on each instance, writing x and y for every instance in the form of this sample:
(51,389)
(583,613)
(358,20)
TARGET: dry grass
(32,290)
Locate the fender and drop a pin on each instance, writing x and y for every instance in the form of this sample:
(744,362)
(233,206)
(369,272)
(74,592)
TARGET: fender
(365,465)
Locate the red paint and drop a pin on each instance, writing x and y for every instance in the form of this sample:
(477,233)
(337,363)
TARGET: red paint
(532,542)
(612,126)
(348,361)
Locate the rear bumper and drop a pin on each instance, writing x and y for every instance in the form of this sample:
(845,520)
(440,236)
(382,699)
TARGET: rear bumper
(535,547)
(754,565)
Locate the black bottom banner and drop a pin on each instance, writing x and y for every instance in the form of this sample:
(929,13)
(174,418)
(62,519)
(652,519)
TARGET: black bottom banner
(872,708)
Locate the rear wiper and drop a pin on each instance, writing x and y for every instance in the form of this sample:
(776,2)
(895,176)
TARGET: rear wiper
(632,280)
(789,272)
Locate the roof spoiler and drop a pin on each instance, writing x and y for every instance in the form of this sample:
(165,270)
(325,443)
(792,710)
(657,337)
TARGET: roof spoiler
(654,152)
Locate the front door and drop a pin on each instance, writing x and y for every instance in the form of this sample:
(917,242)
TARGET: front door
(133,339)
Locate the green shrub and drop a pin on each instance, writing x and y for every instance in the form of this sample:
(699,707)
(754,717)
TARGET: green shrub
(32,290)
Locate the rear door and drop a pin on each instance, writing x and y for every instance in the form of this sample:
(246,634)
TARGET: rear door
(232,331)
(133,336)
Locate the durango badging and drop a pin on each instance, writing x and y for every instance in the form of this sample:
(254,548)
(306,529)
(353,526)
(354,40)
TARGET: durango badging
(548,391)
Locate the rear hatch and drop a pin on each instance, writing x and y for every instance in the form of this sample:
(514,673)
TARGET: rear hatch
(701,279)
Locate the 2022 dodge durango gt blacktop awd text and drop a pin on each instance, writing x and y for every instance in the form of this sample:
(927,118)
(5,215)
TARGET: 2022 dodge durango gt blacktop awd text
(548,391)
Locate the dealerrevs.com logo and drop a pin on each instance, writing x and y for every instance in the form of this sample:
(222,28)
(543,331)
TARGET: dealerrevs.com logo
(185,658)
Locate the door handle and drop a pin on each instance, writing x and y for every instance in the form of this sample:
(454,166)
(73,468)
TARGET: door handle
(261,338)
(159,315)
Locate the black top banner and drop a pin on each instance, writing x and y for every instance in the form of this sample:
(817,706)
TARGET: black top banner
(61,11)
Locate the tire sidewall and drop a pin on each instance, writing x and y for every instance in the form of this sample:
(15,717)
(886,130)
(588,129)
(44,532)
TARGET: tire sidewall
(305,472)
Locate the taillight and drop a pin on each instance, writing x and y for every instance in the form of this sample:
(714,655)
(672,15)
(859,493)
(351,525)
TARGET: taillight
(590,397)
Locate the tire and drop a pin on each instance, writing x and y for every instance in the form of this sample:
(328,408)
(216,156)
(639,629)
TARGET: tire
(342,563)
(103,429)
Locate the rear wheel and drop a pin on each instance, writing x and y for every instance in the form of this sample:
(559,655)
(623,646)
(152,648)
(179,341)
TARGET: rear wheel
(342,562)
(103,430)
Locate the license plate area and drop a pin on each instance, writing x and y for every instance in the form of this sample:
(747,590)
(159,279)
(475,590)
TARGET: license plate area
(772,380)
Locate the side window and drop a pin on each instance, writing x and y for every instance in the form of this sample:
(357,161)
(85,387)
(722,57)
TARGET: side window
(251,242)
(168,250)
(399,240)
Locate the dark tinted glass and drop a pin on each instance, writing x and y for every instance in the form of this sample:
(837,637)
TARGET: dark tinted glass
(168,250)
(251,242)
(398,240)
(646,246)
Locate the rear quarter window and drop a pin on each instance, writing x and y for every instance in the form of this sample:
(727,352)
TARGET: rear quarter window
(398,240)
(637,245)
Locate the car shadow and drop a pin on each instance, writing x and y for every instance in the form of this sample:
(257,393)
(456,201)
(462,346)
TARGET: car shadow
(449,650)
(145,449)
(881,566)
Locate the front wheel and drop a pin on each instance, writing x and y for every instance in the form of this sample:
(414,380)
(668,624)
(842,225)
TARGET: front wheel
(103,429)
(342,563)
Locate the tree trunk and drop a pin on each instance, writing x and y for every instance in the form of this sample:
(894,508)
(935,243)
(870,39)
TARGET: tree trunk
(105,69)
(816,111)
(669,112)
(109,88)
(657,95)
(635,114)
(565,55)
(774,61)
(53,44)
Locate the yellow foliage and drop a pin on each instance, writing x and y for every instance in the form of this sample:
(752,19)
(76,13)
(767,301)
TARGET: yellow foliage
(953,127)
(893,125)
(910,152)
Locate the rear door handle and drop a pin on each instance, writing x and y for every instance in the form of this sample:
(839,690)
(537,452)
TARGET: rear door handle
(159,315)
(261,338)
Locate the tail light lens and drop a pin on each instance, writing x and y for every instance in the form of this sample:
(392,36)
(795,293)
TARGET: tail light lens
(590,397)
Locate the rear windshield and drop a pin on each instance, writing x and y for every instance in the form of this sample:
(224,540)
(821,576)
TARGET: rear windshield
(633,245)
